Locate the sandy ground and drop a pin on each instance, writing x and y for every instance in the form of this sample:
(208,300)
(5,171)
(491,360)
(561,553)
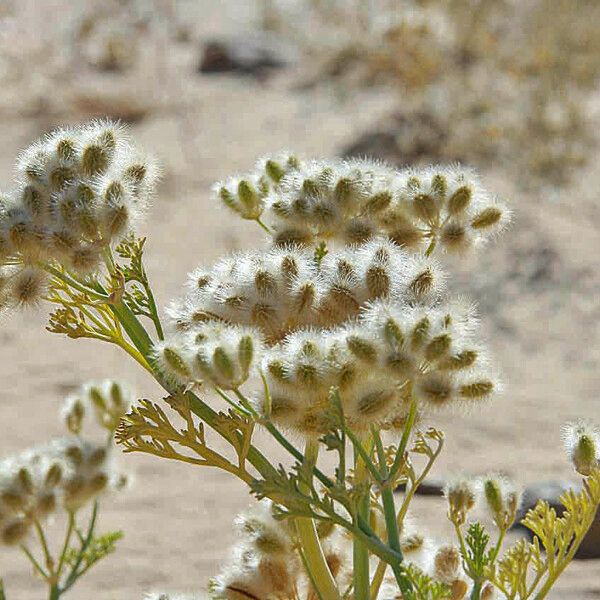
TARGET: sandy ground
(538,289)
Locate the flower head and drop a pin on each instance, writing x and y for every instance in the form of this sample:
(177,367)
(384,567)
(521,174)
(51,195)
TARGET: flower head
(582,443)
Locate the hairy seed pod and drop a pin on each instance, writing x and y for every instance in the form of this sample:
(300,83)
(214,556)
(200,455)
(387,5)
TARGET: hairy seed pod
(477,389)
(585,455)
(454,237)
(66,149)
(462,360)
(245,353)
(447,564)
(439,185)
(175,363)
(412,543)
(94,159)
(487,218)
(361,348)
(53,475)
(458,589)
(436,389)
(493,496)
(438,347)
(14,532)
(223,364)
(422,283)
(420,333)
(425,208)
(393,333)
(378,281)
(375,403)
(378,202)
(274,170)
(460,200)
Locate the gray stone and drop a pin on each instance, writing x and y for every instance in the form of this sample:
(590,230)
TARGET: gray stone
(246,54)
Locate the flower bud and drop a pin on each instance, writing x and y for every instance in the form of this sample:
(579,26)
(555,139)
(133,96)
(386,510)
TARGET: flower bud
(487,218)
(447,562)
(13,532)
(458,589)
(502,499)
(461,495)
(459,200)
(582,443)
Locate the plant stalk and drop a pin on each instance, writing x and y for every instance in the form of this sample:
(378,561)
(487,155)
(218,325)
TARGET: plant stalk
(309,539)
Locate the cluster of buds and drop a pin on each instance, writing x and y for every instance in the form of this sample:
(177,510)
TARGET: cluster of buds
(78,191)
(222,354)
(353,201)
(107,401)
(63,475)
(364,315)
(582,443)
(265,563)
(502,500)
(377,363)
(67,473)
(245,195)
(500,497)
(282,289)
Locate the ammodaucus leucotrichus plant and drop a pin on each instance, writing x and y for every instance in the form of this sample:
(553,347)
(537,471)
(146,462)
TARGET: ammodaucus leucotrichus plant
(337,335)
(50,494)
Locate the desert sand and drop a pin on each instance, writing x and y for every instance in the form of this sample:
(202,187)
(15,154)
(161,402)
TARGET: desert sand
(538,289)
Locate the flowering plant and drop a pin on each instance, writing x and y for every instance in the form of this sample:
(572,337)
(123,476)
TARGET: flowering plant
(339,335)
(57,481)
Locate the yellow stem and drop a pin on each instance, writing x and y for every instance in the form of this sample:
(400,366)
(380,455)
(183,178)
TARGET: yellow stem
(311,546)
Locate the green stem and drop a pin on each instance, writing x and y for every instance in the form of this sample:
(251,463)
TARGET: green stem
(391,523)
(46,551)
(65,547)
(136,332)
(309,539)
(366,459)
(154,312)
(360,553)
(410,421)
(74,574)
(70,281)
(36,565)
(476,591)
(263,226)
(54,592)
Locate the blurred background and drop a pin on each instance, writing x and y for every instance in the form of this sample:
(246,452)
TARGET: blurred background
(507,86)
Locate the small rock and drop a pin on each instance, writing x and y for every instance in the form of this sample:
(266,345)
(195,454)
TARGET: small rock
(403,139)
(247,54)
(550,491)
(430,487)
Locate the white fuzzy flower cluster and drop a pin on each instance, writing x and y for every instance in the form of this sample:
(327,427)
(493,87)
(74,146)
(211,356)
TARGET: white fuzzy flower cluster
(365,315)
(63,475)
(354,201)
(265,563)
(107,401)
(498,495)
(392,352)
(281,289)
(266,543)
(78,190)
